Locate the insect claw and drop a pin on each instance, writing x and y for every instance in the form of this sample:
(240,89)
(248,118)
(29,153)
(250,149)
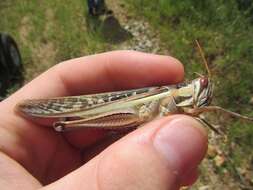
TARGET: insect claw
(59,126)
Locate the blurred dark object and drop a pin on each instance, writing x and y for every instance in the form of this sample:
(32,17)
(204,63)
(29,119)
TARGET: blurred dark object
(247,7)
(10,63)
(97,7)
(244,4)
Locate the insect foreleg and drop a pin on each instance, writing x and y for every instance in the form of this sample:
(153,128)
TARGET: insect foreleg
(168,106)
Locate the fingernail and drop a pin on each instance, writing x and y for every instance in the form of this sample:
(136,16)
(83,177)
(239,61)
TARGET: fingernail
(182,142)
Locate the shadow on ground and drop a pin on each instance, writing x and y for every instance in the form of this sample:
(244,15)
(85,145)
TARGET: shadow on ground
(108,27)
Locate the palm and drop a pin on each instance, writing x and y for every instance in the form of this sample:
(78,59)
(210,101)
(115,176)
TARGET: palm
(49,155)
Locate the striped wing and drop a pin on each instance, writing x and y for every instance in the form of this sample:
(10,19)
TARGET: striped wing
(74,106)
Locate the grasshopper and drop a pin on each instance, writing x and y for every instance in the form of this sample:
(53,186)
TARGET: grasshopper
(130,108)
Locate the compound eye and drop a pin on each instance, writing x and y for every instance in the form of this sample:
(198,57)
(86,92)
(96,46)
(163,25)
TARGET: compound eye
(204,82)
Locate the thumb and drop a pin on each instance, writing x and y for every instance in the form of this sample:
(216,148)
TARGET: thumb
(162,155)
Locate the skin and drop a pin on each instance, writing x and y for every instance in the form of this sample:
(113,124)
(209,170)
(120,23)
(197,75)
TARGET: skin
(163,154)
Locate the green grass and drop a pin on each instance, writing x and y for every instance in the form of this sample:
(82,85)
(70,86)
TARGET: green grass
(225,31)
(60,24)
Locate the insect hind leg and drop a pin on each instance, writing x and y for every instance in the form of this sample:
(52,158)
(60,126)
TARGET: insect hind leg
(111,121)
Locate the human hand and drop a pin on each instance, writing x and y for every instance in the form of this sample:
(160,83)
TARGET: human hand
(163,154)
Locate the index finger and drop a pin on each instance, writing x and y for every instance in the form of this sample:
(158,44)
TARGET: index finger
(110,71)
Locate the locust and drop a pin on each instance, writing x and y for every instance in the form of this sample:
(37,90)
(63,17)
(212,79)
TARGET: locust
(129,108)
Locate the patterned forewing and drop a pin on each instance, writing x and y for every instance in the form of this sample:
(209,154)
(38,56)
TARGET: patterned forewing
(57,107)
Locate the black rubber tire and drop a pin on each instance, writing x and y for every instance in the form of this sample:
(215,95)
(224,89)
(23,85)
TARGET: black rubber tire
(12,56)
(4,74)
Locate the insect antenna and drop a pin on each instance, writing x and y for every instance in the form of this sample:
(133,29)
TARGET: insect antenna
(203,58)
(217,108)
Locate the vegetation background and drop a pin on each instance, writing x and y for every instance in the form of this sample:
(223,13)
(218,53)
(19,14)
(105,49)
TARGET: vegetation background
(49,32)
